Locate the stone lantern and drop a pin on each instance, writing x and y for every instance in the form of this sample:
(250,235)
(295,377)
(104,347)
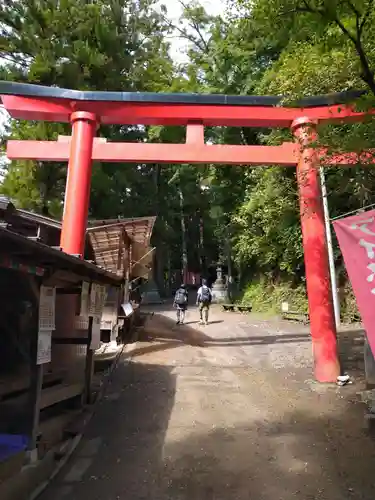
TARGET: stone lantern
(219,288)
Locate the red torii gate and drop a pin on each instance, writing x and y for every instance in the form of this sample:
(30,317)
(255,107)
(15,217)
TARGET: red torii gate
(87,110)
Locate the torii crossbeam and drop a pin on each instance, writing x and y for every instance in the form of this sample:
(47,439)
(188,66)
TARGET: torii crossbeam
(87,110)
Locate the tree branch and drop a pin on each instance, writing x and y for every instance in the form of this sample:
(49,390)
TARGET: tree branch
(345,30)
(195,26)
(366,16)
(353,8)
(183,34)
(13,59)
(367,73)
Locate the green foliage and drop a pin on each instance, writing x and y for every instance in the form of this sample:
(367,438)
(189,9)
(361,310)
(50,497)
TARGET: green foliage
(349,309)
(270,214)
(265,296)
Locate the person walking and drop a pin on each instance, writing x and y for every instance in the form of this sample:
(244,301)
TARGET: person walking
(180,302)
(204,299)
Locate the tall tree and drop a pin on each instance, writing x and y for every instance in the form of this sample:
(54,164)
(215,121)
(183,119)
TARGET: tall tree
(104,45)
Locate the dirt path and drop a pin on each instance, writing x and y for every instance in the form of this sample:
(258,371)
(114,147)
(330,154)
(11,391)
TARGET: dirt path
(227,411)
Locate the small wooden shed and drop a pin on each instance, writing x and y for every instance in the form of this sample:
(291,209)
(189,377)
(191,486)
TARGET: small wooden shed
(36,377)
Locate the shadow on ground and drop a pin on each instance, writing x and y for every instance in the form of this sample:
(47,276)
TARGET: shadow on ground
(301,457)
(131,421)
(161,333)
(351,348)
(306,454)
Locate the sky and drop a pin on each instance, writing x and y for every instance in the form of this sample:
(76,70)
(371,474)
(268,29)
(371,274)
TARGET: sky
(213,7)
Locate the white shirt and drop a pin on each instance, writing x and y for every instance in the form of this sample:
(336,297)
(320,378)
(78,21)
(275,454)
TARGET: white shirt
(199,295)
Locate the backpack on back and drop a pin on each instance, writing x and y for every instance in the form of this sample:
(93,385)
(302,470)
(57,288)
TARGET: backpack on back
(181,297)
(205,295)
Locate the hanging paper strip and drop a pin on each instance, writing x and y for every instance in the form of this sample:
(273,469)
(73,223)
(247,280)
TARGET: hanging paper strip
(24,268)
(356,237)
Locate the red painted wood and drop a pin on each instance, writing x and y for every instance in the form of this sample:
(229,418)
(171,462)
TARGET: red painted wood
(77,193)
(286,154)
(195,134)
(59,110)
(322,322)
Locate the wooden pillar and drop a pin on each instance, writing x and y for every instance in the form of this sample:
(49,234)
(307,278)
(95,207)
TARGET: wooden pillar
(36,377)
(89,367)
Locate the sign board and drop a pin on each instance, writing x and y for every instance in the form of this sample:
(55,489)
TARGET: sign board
(44,347)
(85,299)
(95,336)
(47,308)
(81,323)
(127,308)
(97,299)
(285,307)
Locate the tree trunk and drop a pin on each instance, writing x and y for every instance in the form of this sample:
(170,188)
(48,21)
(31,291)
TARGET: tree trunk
(169,271)
(201,247)
(184,253)
(229,264)
(158,261)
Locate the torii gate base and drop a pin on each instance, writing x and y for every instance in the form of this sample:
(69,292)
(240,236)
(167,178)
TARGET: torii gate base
(87,110)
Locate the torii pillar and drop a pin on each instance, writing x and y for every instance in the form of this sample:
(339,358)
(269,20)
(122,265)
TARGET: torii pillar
(322,324)
(78,183)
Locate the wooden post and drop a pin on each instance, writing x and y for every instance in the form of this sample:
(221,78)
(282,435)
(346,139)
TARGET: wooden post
(36,379)
(318,284)
(369,365)
(89,368)
(35,393)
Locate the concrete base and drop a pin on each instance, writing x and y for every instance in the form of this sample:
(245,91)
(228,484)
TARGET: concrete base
(219,294)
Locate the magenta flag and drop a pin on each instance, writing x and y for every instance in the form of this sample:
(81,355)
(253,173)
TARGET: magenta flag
(356,237)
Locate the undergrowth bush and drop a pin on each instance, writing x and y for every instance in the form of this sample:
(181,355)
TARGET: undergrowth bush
(267,297)
(349,309)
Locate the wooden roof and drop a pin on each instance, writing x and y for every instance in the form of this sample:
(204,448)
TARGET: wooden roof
(110,238)
(30,252)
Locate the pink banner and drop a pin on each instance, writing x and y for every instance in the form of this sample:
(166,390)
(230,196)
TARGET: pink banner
(356,237)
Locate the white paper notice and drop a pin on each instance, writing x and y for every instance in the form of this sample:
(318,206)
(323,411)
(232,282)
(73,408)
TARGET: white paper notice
(127,308)
(44,347)
(81,323)
(93,293)
(95,336)
(47,308)
(97,299)
(84,312)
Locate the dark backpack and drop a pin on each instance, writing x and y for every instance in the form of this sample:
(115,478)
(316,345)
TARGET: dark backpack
(205,295)
(181,297)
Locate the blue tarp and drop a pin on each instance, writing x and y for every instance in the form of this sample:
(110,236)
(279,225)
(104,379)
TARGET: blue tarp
(11,444)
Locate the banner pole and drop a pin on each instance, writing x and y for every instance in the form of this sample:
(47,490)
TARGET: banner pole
(331,259)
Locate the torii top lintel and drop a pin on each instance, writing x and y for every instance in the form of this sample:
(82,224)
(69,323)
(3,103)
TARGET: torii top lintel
(35,102)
